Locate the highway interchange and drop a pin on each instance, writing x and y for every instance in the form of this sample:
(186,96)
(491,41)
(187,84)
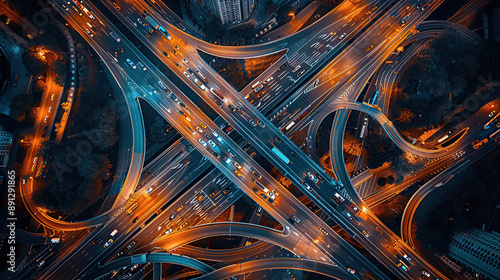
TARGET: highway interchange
(337,60)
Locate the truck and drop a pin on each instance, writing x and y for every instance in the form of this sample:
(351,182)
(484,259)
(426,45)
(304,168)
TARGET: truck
(281,155)
(156,25)
(262,187)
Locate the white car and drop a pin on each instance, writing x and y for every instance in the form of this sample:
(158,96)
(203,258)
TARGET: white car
(342,36)
(202,142)
(88,32)
(50,109)
(212,143)
(186,74)
(142,66)
(168,231)
(200,84)
(185,61)
(46,118)
(114,232)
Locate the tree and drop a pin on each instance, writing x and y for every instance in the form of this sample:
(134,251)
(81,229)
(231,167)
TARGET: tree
(33,63)
(95,166)
(104,122)
(351,145)
(40,85)
(270,7)
(405,115)
(20,106)
(159,131)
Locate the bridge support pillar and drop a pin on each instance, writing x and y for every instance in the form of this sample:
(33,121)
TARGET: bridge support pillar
(157,271)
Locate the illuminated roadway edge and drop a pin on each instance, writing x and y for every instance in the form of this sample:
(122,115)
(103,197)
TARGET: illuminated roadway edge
(278,263)
(224,255)
(192,234)
(151,258)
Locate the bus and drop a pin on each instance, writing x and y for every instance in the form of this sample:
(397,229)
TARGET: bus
(132,209)
(114,36)
(443,138)
(262,187)
(217,94)
(281,155)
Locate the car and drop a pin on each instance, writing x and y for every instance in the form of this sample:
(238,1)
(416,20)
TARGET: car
(41,263)
(120,49)
(295,220)
(218,103)
(403,266)
(491,114)
(264,196)
(351,270)
(139,20)
(208,137)
(300,73)
(114,232)
(142,66)
(178,65)
(237,173)
(323,230)
(365,233)
(425,273)
(211,143)
(216,154)
(185,61)
(228,160)
(257,175)
(172,216)
(200,84)
(261,124)
(255,189)
(88,32)
(312,177)
(174,51)
(282,67)
(130,63)
(369,48)
(296,69)
(190,72)
(408,258)
(425,6)
(186,74)
(252,122)
(295,154)
(186,116)
(52,97)
(136,219)
(108,243)
(35,160)
(199,129)
(231,107)
(175,46)
(268,80)
(173,97)
(237,165)
(231,152)
(180,208)
(65,7)
(46,118)
(152,89)
(342,36)
(168,231)
(166,54)
(348,214)
(378,230)
(203,125)
(201,76)
(271,195)
(202,142)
